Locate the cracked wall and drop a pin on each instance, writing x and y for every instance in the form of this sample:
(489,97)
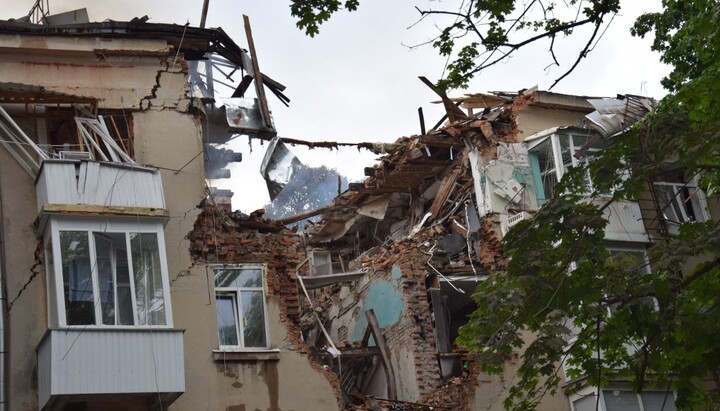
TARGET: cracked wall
(121,73)
(292,382)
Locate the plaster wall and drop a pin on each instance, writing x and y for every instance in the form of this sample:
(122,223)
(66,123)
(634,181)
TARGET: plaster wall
(80,67)
(27,320)
(380,291)
(153,132)
(290,383)
(533,119)
(491,390)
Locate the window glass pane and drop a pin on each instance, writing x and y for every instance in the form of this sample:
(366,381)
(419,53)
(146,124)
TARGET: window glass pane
(668,203)
(579,141)
(548,174)
(565,152)
(77,278)
(103,251)
(124,295)
(654,400)
(227,320)
(696,205)
(238,277)
(586,403)
(149,298)
(253,313)
(621,400)
(685,200)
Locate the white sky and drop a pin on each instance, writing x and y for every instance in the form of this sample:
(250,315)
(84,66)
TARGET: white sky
(356,81)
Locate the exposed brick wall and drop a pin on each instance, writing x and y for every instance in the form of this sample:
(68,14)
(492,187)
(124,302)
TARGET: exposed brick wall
(489,247)
(414,329)
(220,237)
(413,280)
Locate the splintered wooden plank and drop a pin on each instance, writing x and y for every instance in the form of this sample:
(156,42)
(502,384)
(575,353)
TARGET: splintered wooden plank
(437,141)
(258,75)
(453,112)
(446,188)
(384,354)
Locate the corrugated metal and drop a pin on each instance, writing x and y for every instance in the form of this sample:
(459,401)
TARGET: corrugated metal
(99,183)
(110,361)
(44,355)
(625,222)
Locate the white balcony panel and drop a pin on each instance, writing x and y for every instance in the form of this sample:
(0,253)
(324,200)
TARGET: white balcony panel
(625,222)
(77,182)
(76,364)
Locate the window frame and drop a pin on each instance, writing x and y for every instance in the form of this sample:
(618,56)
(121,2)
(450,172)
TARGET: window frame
(701,214)
(559,168)
(592,391)
(236,293)
(92,226)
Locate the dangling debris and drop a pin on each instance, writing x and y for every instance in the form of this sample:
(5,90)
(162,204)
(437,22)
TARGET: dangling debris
(278,166)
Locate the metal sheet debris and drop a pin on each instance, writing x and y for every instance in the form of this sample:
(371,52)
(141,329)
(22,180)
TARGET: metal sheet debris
(614,115)
(278,167)
(244,114)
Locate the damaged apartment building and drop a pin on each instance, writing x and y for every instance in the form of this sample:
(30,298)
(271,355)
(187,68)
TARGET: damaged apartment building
(128,283)
(391,266)
(110,134)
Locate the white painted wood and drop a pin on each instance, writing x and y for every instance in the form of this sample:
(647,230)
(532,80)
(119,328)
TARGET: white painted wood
(110,361)
(98,183)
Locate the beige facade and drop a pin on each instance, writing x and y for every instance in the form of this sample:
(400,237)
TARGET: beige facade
(142,83)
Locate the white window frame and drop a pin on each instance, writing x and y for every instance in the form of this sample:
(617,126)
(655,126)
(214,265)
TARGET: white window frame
(99,225)
(559,167)
(592,391)
(236,292)
(701,214)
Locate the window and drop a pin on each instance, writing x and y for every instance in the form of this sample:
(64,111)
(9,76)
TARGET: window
(622,400)
(109,274)
(240,303)
(681,201)
(551,157)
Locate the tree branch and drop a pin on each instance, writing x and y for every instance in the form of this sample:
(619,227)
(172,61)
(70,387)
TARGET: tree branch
(583,53)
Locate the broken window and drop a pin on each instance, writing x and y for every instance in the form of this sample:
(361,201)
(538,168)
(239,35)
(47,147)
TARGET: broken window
(241,307)
(680,200)
(553,156)
(108,276)
(72,131)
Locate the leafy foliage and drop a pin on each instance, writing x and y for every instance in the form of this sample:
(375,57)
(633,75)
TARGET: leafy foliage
(609,316)
(498,28)
(312,13)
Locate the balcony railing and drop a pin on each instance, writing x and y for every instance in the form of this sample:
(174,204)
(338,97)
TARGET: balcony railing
(100,184)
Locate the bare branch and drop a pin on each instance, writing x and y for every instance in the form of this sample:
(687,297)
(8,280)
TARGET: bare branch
(583,53)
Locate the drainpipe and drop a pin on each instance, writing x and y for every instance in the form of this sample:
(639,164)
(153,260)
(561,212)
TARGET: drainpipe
(4,332)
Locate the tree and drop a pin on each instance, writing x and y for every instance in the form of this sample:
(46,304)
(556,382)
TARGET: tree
(560,275)
(482,33)
(310,188)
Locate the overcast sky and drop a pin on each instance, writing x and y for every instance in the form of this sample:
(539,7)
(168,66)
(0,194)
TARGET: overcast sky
(357,80)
